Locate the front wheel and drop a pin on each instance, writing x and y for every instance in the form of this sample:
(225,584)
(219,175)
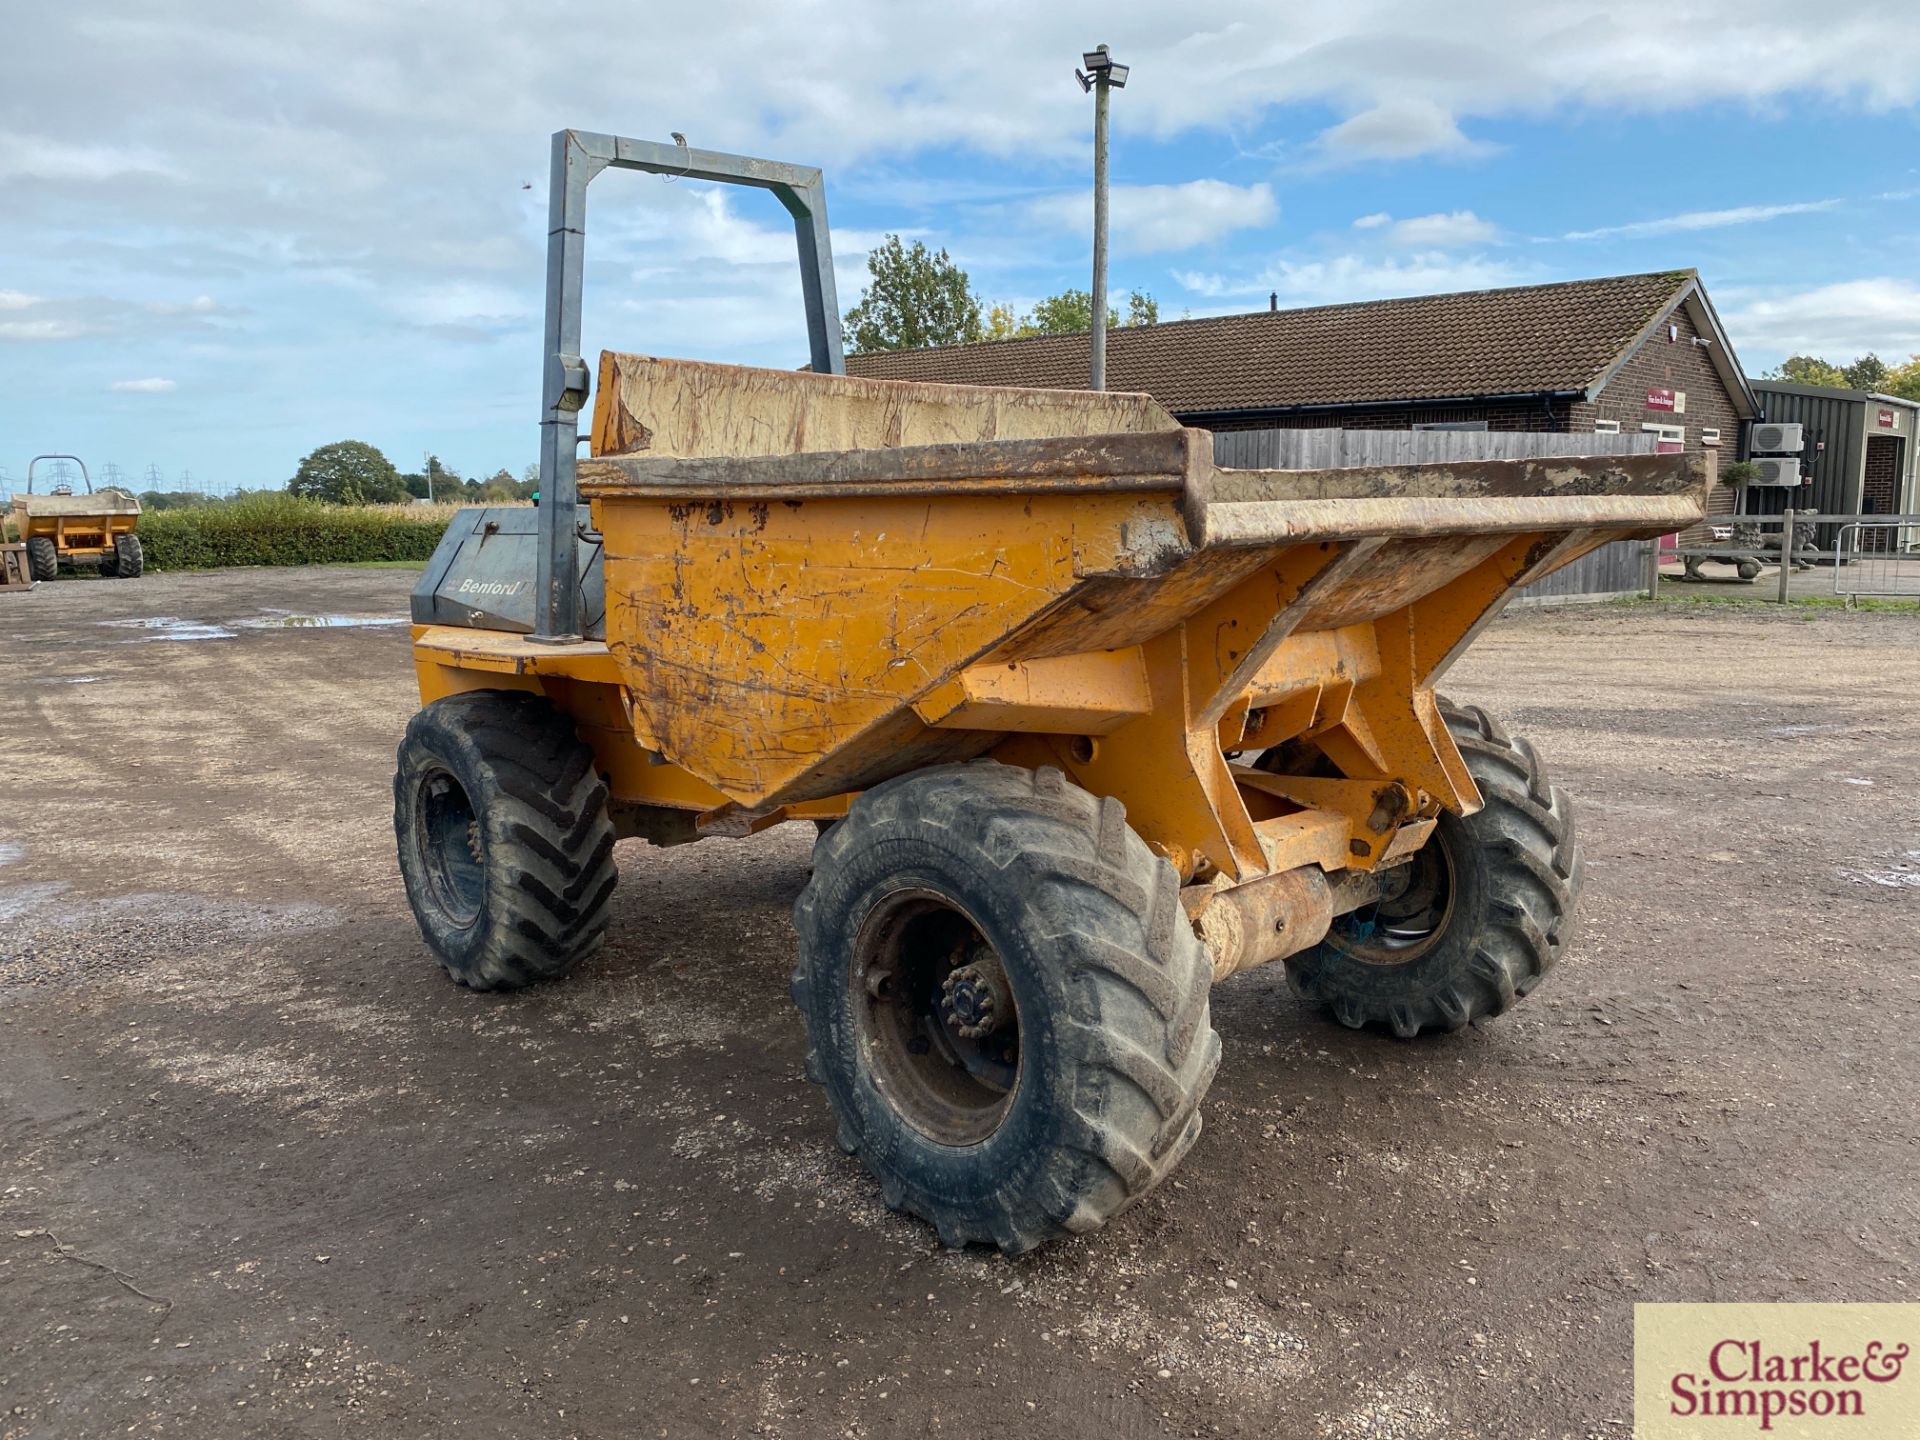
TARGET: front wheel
(1004,1001)
(1482,911)
(505,843)
(128,558)
(43,560)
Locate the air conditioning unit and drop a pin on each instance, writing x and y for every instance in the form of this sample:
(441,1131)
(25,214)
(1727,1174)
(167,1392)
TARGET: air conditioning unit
(1769,439)
(1779,471)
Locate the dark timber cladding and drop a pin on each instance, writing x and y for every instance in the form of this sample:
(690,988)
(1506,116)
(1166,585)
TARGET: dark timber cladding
(1859,452)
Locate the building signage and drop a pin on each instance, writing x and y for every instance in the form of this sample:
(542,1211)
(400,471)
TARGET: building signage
(1887,421)
(1658,399)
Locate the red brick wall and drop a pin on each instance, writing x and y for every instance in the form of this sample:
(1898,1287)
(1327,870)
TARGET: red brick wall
(1880,478)
(1679,365)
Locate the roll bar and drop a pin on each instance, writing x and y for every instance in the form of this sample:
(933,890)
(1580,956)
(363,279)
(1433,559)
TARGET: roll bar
(88,479)
(579,156)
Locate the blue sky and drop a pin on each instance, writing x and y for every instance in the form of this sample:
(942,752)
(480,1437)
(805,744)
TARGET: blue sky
(236,232)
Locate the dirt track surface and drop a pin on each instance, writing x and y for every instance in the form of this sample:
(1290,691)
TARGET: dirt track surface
(265,1171)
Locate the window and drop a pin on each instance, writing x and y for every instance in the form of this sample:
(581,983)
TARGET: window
(1453,425)
(1606,427)
(1668,439)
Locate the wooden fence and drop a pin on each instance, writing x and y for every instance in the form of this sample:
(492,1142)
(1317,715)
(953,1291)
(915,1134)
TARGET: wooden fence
(1616,569)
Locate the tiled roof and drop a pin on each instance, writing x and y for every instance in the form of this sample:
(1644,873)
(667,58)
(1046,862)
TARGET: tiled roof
(1483,342)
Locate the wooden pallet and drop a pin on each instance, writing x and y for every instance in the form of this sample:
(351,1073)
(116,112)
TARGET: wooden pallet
(15,573)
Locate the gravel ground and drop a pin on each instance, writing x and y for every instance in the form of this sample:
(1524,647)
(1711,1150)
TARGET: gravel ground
(263,1171)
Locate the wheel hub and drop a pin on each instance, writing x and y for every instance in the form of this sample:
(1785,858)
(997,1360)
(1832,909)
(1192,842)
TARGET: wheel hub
(937,1016)
(975,999)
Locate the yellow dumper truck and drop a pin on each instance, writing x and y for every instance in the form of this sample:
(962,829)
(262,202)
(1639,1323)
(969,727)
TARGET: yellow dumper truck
(1088,723)
(60,527)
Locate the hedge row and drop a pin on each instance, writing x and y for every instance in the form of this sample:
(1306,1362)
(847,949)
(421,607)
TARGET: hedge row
(283,530)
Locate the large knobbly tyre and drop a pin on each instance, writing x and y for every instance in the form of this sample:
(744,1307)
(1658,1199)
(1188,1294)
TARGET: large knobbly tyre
(1480,914)
(42,558)
(1005,1002)
(504,839)
(128,558)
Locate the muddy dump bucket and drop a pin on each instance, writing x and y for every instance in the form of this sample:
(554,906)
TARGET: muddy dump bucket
(815,583)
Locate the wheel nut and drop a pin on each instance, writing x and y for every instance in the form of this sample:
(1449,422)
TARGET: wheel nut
(975,999)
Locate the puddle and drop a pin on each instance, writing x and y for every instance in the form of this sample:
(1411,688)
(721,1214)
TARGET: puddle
(172,627)
(1900,877)
(75,680)
(1856,780)
(1789,732)
(281,620)
(10,852)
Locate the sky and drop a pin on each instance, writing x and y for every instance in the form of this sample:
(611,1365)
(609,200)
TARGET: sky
(232,232)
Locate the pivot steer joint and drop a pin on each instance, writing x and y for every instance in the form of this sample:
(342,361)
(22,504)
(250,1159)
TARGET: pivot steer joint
(1277,915)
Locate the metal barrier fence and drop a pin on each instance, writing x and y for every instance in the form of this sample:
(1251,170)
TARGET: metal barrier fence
(1873,555)
(1878,557)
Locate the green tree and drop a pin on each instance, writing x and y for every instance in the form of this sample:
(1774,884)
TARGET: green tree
(1869,372)
(416,484)
(917,298)
(172,499)
(1068,313)
(348,472)
(446,480)
(1071,313)
(1003,322)
(1904,380)
(1809,370)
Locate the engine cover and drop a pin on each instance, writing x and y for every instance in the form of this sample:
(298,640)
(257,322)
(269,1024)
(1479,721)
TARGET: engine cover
(482,574)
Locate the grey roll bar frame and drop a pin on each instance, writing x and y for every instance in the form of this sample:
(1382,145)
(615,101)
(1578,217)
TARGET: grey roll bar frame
(84,476)
(579,156)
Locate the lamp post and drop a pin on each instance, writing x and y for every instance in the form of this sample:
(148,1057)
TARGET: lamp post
(1101,76)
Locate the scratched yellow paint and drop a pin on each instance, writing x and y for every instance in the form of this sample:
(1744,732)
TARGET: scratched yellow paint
(757,639)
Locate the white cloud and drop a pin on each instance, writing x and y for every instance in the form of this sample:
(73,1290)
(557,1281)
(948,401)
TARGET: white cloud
(1843,320)
(1701,220)
(76,317)
(46,327)
(1357,277)
(152,385)
(1149,219)
(43,157)
(465,303)
(1399,130)
(1444,230)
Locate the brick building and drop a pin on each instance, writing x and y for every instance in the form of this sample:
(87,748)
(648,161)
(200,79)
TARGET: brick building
(1637,352)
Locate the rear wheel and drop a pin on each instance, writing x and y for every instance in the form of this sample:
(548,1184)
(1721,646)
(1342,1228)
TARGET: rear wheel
(42,559)
(128,558)
(504,839)
(1475,919)
(1004,1001)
